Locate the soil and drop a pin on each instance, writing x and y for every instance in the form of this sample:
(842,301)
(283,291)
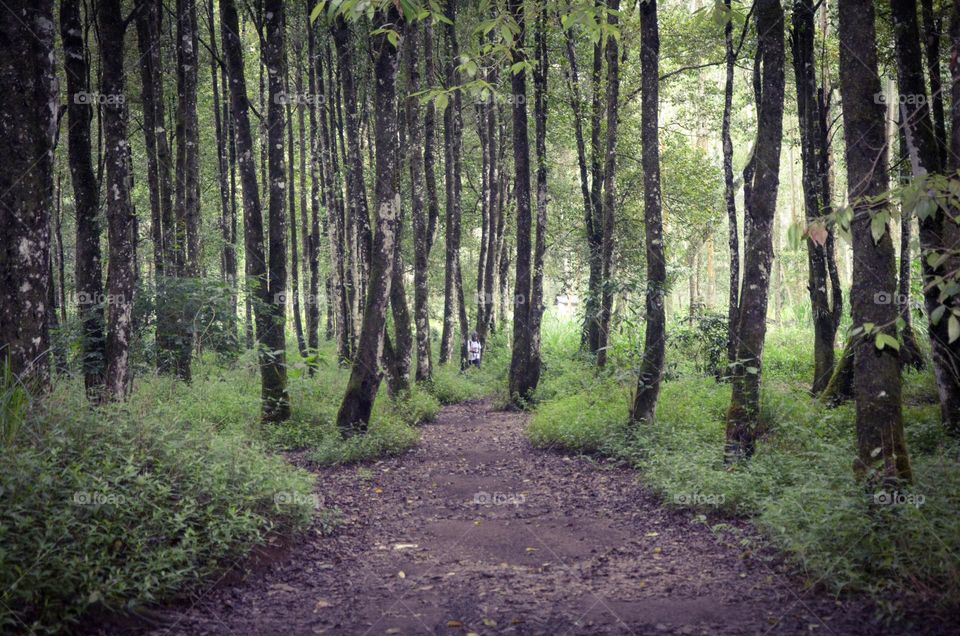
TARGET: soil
(475,531)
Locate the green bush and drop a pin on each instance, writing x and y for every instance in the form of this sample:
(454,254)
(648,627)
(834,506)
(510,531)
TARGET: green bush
(120,506)
(798,487)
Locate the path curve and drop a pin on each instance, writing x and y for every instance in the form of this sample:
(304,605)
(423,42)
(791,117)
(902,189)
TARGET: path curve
(476,531)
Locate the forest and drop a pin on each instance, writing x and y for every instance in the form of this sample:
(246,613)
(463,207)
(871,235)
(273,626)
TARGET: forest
(479,316)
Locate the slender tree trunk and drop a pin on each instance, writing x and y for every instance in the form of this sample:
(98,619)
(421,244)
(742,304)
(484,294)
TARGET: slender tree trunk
(523,377)
(596,283)
(935,233)
(421,239)
(654,347)
(121,274)
(729,191)
(317,192)
(430,139)
(275,399)
(824,327)
(932,29)
(292,190)
(910,354)
(89,281)
(609,186)
(228,256)
(28,117)
(540,76)
(744,426)
(454,307)
(354,414)
(876,370)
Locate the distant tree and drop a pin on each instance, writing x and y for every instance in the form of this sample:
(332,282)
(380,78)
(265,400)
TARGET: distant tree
(743,417)
(354,414)
(881,448)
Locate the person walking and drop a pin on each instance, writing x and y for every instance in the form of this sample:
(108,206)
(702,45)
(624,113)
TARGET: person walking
(474,348)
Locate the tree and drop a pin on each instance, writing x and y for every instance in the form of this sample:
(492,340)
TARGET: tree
(86,196)
(609,185)
(121,220)
(273,393)
(523,376)
(876,361)
(729,189)
(273,338)
(354,414)
(654,347)
(421,238)
(937,249)
(540,74)
(743,417)
(28,117)
(826,309)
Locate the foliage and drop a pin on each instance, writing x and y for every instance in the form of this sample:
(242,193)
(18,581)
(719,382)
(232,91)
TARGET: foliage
(798,488)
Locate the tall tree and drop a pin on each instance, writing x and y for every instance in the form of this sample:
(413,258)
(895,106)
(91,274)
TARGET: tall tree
(316,193)
(609,184)
(273,391)
(935,233)
(876,364)
(421,240)
(121,220)
(86,196)
(654,347)
(28,118)
(540,76)
(523,377)
(743,416)
(354,414)
(454,309)
(275,398)
(594,229)
(826,310)
(729,188)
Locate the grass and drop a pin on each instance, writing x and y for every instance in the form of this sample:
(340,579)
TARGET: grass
(125,505)
(798,488)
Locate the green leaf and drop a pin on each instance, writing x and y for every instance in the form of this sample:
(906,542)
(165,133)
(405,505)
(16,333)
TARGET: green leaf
(937,314)
(953,328)
(878,226)
(886,340)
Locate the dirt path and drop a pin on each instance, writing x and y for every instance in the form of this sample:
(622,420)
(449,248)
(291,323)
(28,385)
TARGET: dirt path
(475,531)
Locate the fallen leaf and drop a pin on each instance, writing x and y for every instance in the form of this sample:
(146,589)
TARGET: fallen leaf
(402,574)
(393,630)
(454,624)
(405,546)
(489,622)
(322,603)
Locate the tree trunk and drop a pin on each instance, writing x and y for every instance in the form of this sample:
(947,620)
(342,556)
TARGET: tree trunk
(89,281)
(354,414)
(596,282)
(275,399)
(453,304)
(935,232)
(273,394)
(932,29)
(228,254)
(540,76)
(609,186)
(744,426)
(910,354)
(28,116)
(316,193)
(876,370)
(824,327)
(729,191)
(121,273)
(421,238)
(294,244)
(523,377)
(654,347)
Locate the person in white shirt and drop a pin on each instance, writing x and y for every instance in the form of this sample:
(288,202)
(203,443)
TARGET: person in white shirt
(473,350)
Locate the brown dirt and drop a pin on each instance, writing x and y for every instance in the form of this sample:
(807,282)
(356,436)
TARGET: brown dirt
(476,531)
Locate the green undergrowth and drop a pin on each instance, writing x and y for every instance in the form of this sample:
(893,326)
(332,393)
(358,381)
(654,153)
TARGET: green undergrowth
(125,505)
(798,487)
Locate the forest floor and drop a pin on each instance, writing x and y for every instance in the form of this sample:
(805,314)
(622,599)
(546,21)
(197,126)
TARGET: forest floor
(476,531)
